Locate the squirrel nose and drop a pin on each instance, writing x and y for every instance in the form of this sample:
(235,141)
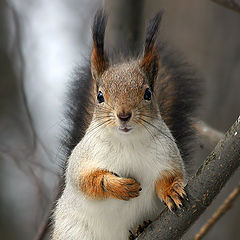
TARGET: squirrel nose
(124,116)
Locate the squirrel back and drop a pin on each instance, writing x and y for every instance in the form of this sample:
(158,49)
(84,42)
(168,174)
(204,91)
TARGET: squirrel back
(177,90)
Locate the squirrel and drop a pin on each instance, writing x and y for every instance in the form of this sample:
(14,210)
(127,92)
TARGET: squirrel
(129,140)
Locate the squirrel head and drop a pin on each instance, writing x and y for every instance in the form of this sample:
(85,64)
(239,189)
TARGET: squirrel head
(124,92)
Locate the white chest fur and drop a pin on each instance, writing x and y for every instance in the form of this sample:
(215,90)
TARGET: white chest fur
(141,156)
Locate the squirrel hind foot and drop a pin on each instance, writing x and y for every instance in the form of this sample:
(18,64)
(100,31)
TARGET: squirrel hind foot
(142,227)
(139,229)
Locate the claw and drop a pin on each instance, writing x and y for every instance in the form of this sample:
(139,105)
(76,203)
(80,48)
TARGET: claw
(171,192)
(131,236)
(141,228)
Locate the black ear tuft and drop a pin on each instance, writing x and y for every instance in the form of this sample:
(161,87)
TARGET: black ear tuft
(151,32)
(150,60)
(98,29)
(99,61)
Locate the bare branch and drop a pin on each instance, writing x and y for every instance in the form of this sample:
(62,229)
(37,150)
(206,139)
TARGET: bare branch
(202,189)
(219,213)
(230,4)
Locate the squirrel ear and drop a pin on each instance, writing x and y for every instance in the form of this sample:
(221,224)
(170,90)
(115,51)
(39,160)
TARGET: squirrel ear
(150,61)
(99,61)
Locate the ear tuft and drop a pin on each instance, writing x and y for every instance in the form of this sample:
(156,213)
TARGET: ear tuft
(99,62)
(151,32)
(150,60)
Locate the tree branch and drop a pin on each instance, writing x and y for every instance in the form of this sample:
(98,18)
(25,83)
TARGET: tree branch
(202,189)
(230,4)
(219,213)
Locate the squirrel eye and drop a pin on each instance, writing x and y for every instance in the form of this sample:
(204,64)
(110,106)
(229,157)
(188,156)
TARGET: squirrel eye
(147,94)
(100,97)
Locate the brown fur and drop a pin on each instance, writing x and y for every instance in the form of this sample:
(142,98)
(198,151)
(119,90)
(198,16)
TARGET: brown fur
(150,62)
(98,62)
(149,59)
(123,87)
(169,188)
(100,184)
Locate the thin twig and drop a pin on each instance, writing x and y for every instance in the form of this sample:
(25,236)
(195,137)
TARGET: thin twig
(219,213)
(230,4)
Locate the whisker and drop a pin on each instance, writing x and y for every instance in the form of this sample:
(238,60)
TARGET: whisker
(111,107)
(99,125)
(104,111)
(140,114)
(146,129)
(144,107)
(155,138)
(92,131)
(103,117)
(157,129)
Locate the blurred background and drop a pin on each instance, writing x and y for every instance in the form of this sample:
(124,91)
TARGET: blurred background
(41,42)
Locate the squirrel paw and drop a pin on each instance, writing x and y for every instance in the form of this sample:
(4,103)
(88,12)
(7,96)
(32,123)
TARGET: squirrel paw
(131,236)
(171,191)
(122,188)
(139,230)
(173,196)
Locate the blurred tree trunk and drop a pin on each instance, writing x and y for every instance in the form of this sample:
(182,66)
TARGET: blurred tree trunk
(125,29)
(8,105)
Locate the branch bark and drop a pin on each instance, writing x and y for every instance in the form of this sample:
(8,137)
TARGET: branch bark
(230,4)
(202,189)
(219,213)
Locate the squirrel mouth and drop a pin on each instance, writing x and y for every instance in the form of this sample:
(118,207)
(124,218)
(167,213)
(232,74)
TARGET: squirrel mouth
(125,129)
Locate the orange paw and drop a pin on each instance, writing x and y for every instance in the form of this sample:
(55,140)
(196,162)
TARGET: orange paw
(121,188)
(100,184)
(171,190)
(174,196)
(141,228)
